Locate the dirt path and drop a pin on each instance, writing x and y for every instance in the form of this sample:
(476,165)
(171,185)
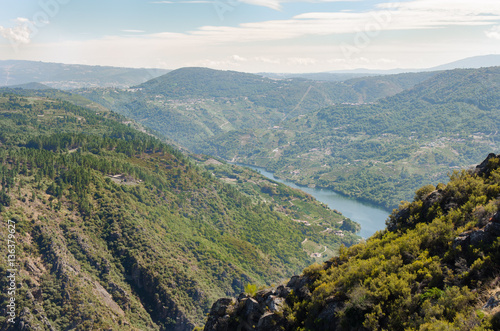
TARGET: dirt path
(300,102)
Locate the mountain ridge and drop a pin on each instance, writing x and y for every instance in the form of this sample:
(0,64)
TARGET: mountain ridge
(71,76)
(440,124)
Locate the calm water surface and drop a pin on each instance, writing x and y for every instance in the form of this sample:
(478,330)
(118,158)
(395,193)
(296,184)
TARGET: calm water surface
(370,217)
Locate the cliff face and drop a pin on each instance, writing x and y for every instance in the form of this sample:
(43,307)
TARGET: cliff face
(436,266)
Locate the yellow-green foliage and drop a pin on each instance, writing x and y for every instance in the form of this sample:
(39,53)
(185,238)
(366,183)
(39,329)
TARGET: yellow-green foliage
(250,289)
(414,276)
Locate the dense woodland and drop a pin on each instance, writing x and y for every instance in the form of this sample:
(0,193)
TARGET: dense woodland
(116,230)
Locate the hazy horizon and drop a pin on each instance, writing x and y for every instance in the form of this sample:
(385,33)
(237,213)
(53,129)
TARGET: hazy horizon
(281,36)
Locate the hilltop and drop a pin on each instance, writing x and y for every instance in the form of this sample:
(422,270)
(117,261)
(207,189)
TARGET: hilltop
(194,105)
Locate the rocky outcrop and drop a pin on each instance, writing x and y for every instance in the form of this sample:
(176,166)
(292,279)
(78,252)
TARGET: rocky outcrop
(493,301)
(443,200)
(162,305)
(263,311)
(485,235)
(484,167)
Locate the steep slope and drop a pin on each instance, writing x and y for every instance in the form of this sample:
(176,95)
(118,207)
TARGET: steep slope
(373,88)
(435,267)
(114,230)
(383,151)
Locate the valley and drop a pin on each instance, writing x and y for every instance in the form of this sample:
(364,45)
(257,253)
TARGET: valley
(250,165)
(370,218)
(375,138)
(153,235)
(116,229)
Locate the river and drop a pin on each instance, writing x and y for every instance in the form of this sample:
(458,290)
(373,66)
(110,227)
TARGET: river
(370,217)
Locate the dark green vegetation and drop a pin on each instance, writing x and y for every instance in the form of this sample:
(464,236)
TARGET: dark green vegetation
(373,138)
(69,76)
(116,230)
(276,124)
(319,222)
(194,105)
(435,267)
(383,151)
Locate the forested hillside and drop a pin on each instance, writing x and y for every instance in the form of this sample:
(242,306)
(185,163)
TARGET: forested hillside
(194,105)
(382,151)
(373,138)
(435,267)
(116,230)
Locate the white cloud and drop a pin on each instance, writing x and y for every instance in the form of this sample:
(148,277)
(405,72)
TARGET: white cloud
(264,59)
(238,58)
(493,33)
(20,33)
(286,46)
(273,4)
(412,15)
(277,4)
(301,61)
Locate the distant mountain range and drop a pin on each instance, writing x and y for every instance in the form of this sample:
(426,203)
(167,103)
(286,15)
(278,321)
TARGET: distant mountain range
(71,76)
(474,62)
(192,105)
(277,123)
(74,76)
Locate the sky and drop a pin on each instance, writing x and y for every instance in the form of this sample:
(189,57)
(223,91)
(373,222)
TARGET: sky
(287,36)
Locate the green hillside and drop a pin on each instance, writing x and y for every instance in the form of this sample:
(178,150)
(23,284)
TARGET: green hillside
(116,230)
(435,267)
(383,151)
(374,138)
(190,105)
(193,105)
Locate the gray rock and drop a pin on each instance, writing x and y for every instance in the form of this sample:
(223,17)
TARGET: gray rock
(483,167)
(275,303)
(486,235)
(269,322)
(493,301)
(220,306)
(252,310)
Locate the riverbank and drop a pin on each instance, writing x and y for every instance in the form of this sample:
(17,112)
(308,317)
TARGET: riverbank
(371,218)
